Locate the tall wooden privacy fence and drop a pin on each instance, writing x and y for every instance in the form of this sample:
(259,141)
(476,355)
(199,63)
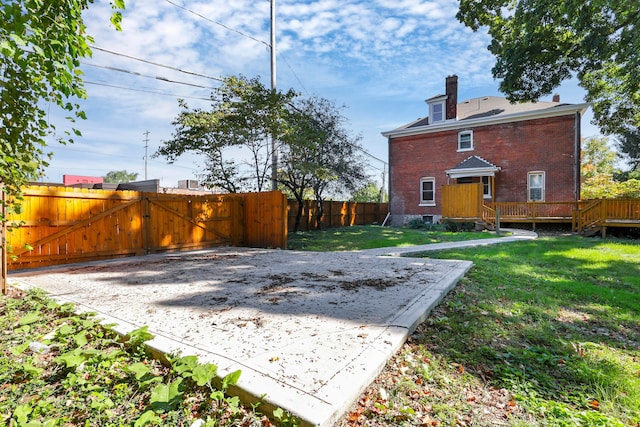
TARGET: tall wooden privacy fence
(60,225)
(337,214)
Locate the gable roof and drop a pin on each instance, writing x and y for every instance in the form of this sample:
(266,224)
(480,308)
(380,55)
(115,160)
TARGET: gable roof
(473,166)
(489,110)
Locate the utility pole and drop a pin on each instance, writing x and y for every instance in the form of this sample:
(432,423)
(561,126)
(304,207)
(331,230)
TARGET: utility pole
(146,146)
(274,144)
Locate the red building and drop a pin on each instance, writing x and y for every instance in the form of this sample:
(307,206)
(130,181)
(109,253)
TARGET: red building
(520,152)
(69,180)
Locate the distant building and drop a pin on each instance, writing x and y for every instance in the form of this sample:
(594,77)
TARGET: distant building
(69,180)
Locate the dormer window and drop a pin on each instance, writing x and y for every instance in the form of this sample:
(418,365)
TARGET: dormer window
(437,109)
(437,112)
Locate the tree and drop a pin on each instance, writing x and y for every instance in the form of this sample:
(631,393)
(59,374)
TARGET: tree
(597,168)
(117,177)
(370,192)
(244,116)
(41,44)
(628,144)
(338,163)
(540,43)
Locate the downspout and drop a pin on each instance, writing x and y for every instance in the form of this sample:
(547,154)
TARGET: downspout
(576,156)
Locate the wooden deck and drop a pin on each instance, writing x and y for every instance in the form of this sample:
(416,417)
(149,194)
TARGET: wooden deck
(583,216)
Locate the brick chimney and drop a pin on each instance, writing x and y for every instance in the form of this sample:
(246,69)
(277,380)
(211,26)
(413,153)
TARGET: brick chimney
(556,97)
(451,87)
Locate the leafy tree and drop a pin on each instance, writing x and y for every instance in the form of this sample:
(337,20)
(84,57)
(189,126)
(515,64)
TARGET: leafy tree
(244,116)
(628,145)
(540,43)
(597,168)
(370,192)
(117,177)
(41,44)
(338,163)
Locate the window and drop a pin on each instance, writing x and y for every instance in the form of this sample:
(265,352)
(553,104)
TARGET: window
(486,187)
(428,191)
(427,219)
(535,186)
(437,112)
(465,140)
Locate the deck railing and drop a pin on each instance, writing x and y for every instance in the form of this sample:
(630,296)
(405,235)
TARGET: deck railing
(532,211)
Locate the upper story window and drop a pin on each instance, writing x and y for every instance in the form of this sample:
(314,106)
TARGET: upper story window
(436,113)
(465,140)
(427,191)
(535,186)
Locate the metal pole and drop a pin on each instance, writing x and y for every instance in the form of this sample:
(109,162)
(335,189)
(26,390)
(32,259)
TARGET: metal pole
(274,146)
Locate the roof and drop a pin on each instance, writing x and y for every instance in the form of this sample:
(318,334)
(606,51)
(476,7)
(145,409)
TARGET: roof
(489,110)
(475,162)
(473,166)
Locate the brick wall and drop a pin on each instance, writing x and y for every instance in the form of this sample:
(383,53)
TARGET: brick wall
(517,148)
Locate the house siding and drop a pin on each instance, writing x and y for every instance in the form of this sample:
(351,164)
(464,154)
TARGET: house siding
(546,144)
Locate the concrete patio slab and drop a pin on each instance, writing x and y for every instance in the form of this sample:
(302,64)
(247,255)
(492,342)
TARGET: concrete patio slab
(311,330)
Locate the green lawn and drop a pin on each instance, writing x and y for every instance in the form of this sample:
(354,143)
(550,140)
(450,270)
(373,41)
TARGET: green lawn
(61,369)
(543,332)
(372,236)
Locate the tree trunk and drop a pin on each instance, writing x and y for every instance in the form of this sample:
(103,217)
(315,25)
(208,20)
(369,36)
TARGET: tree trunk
(319,214)
(296,226)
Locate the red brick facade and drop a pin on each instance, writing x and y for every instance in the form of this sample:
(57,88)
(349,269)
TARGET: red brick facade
(540,144)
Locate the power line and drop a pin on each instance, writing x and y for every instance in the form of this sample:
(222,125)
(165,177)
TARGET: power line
(156,63)
(218,23)
(135,73)
(145,91)
(244,35)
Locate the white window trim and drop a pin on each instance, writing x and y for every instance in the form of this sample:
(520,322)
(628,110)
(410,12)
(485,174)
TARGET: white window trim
(464,132)
(488,195)
(428,202)
(529,174)
(431,114)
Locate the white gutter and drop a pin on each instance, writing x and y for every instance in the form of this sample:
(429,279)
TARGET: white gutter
(560,110)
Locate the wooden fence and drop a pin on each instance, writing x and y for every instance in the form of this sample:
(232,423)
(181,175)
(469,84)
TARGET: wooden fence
(59,225)
(462,201)
(337,214)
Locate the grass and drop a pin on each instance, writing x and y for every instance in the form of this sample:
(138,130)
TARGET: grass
(538,333)
(59,368)
(370,237)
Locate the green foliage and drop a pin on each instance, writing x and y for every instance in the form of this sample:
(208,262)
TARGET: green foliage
(456,226)
(61,368)
(628,144)
(370,192)
(41,45)
(244,116)
(538,44)
(319,154)
(117,177)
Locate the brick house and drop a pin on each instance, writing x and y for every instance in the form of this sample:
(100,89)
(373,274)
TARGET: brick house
(519,152)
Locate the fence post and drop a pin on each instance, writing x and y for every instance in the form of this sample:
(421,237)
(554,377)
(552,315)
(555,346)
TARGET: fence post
(498,222)
(145,210)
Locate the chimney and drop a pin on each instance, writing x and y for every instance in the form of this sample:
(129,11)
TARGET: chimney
(556,97)
(451,87)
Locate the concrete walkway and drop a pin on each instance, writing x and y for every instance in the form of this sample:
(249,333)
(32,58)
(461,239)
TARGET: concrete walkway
(514,235)
(311,330)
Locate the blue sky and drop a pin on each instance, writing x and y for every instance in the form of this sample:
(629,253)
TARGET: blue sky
(379,58)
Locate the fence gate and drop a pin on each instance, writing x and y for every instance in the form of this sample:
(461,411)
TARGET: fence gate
(462,201)
(61,225)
